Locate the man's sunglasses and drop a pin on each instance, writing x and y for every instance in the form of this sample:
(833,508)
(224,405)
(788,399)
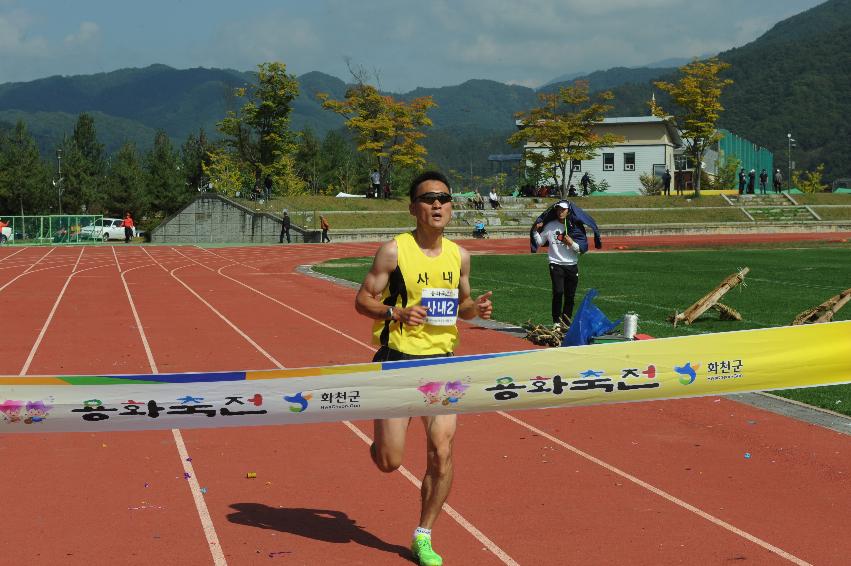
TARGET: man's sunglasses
(429,198)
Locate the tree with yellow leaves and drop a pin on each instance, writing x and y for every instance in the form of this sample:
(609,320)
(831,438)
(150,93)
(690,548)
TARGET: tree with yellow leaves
(561,130)
(809,181)
(257,141)
(386,129)
(697,96)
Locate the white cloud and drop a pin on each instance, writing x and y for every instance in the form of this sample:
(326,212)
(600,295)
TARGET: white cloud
(86,33)
(14,38)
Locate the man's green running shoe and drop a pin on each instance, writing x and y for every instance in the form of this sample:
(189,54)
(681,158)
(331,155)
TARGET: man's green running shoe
(421,547)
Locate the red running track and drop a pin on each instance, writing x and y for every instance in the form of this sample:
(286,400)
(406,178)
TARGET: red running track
(650,483)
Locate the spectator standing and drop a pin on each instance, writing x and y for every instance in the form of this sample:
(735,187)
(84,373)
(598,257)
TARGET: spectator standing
(678,183)
(323,223)
(763,181)
(584,182)
(375,179)
(778,181)
(564,263)
(285,227)
(666,182)
(2,235)
(267,185)
(493,197)
(128,227)
(742,180)
(752,181)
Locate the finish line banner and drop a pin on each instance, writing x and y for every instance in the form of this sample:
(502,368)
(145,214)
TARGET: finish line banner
(669,368)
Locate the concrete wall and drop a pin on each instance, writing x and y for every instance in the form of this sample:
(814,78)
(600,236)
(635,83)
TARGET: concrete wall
(212,218)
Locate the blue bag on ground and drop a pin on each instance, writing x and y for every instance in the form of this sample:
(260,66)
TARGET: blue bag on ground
(588,323)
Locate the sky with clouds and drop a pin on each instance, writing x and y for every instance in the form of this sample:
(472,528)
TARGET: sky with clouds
(409,43)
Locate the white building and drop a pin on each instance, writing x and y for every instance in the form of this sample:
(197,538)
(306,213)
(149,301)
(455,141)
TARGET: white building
(648,147)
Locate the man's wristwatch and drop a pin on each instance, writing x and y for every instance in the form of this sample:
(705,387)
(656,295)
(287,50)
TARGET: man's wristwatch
(389,314)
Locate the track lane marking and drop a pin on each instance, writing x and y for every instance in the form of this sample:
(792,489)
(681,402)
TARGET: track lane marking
(43,330)
(225,319)
(139,326)
(448,509)
(663,494)
(286,306)
(201,505)
(194,486)
(28,269)
(455,515)
(4,258)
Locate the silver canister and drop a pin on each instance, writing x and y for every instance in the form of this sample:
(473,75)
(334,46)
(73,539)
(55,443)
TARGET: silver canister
(630,325)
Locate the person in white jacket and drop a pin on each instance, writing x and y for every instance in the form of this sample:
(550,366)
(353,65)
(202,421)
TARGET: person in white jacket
(563,254)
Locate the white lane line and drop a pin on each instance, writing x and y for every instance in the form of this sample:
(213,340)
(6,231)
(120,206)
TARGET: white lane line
(4,258)
(224,258)
(655,490)
(50,316)
(28,269)
(194,486)
(457,517)
(276,301)
(448,509)
(142,335)
(225,319)
(200,504)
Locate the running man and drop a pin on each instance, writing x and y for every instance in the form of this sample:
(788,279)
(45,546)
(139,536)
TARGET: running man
(412,274)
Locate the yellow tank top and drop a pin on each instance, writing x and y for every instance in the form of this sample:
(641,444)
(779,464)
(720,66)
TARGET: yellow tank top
(422,280)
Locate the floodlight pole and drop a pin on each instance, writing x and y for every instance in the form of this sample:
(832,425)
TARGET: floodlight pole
(789,161)
(59,182)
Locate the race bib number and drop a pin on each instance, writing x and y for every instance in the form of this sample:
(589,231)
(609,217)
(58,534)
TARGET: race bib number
(442,306)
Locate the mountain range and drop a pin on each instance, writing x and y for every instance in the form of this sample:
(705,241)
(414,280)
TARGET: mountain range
(793,79)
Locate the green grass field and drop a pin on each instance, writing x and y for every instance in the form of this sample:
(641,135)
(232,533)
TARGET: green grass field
(781,284)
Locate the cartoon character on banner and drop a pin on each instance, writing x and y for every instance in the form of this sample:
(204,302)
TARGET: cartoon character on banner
(453,391)
(11,410)
(36,412)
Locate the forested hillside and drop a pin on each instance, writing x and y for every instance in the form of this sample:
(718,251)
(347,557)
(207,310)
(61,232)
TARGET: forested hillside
(795,78)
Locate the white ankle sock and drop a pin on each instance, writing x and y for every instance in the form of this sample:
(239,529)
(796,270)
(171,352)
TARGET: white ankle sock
(422,531)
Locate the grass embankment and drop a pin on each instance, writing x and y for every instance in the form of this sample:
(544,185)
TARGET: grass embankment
(654,285)
(393,213)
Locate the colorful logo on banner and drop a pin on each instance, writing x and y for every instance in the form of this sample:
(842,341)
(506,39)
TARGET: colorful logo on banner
(689,373)
(452,391)
(299,401)
(28,412)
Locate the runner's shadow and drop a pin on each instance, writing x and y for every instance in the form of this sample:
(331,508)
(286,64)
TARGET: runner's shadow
(318,524)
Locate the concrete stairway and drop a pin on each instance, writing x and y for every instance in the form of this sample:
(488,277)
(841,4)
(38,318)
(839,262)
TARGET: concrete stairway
(772,208)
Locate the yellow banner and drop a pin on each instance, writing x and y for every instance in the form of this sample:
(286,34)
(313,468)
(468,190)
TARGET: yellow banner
(669,368)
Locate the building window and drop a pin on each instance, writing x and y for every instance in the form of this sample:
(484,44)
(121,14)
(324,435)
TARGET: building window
(576,165)
(608,162)
(658,170)
(629,161)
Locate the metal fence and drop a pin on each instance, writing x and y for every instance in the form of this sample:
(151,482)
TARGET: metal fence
(52,229)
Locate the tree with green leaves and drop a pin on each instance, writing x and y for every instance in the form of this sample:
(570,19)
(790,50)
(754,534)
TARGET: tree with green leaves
(307,159)
(343,168)
(386,129)
(166,185)
(562,130)
(193,157)
(126,186)
(24,177)
(697,99)
(83,168)
(257,136)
